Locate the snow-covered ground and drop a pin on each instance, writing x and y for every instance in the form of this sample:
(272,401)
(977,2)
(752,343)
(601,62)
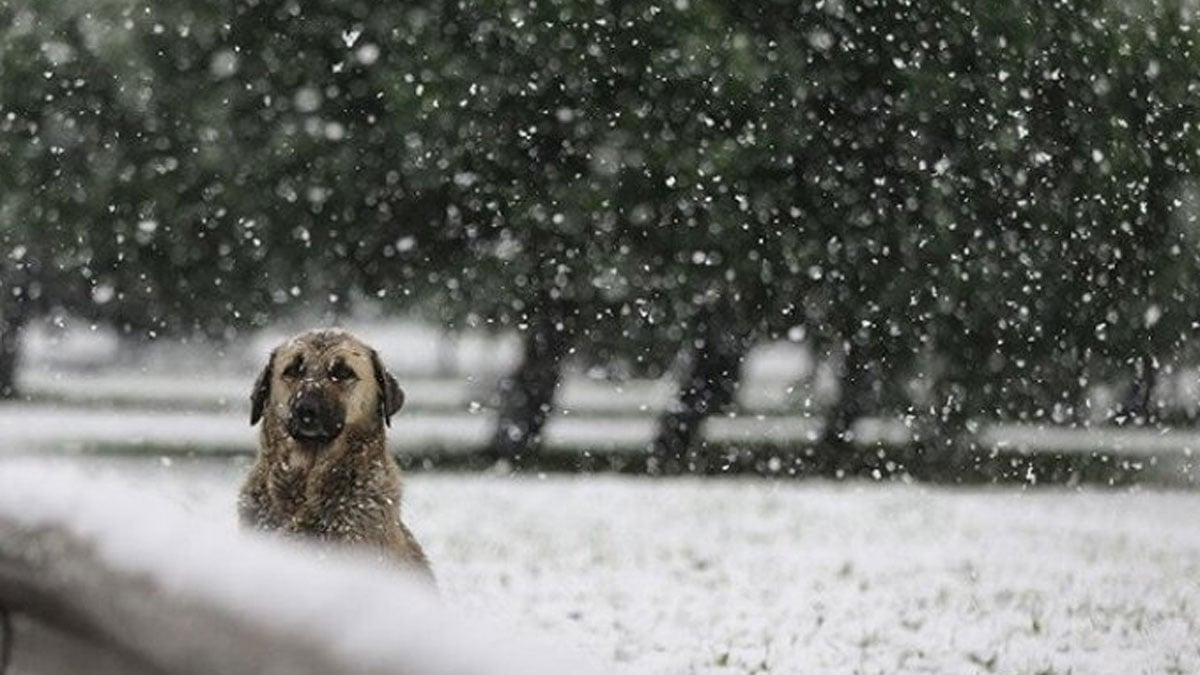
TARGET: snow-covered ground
(689,575)
(755,576)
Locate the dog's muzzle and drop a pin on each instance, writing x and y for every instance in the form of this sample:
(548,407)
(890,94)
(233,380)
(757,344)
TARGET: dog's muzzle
(312,418)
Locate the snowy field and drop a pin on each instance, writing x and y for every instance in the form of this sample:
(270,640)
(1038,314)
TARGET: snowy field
(733,576)
(755,576)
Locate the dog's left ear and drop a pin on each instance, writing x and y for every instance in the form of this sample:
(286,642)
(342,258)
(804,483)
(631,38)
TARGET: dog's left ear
(261,391)
(391,396)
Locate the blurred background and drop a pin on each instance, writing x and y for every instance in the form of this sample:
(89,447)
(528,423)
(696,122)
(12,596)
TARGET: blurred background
(794,238)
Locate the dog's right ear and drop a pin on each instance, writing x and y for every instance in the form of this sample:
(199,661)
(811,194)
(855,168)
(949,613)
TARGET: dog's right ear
(261,392)
(391,396)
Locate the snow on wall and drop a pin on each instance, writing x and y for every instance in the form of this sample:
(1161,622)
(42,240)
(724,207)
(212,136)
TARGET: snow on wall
(370,616)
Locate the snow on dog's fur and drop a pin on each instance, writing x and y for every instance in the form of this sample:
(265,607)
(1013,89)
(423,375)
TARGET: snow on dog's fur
(323,468)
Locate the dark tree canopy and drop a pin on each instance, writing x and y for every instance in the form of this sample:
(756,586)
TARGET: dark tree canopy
(976,210)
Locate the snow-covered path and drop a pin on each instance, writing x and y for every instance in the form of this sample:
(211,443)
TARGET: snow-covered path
(745,576)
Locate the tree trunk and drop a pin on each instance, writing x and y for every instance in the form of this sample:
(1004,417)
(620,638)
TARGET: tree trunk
(714,365)
(526,395)
(11,322)
(837,441)
(1138,407)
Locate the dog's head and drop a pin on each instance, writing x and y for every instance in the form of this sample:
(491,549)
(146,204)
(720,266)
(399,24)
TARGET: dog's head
(323,382)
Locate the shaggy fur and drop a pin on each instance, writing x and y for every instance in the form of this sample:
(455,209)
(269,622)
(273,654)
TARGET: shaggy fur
(323,468)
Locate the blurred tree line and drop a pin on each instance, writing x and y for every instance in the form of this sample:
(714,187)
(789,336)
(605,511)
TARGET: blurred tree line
(975,210)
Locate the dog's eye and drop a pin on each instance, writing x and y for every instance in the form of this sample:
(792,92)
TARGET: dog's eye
(341,372)
(293,370)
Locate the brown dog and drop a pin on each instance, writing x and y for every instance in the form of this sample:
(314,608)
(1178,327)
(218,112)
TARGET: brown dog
(323,468)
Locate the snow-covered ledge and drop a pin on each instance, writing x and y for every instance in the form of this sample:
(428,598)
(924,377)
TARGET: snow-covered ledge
(101,577)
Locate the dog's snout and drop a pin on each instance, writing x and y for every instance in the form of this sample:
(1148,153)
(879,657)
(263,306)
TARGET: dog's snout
(312,418)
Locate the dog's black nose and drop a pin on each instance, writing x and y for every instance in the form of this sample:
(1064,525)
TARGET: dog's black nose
(306,411)
(312,419)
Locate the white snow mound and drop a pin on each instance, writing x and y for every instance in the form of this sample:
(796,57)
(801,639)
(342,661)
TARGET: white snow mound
(366,615)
